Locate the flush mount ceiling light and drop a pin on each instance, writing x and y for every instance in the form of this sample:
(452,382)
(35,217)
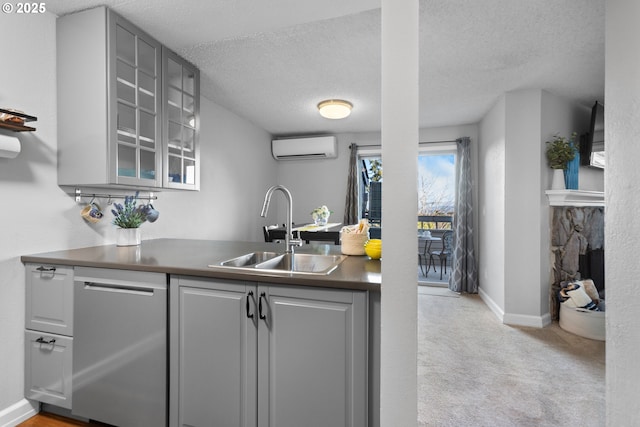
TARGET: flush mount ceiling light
(335,108)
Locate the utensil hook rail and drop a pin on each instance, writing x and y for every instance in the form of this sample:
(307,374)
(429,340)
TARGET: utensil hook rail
(79,195)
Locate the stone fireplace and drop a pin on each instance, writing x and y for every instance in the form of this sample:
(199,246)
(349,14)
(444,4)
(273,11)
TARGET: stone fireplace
(577,240)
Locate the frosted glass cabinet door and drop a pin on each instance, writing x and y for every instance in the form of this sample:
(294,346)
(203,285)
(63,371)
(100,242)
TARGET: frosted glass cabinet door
(128,107)
(136,143)
(181,118)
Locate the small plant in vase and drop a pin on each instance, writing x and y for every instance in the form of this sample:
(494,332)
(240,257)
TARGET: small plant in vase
(560,151)
(129,216)
(320,215)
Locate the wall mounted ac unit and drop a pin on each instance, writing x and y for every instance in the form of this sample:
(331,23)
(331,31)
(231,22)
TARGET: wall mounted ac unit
(317,147)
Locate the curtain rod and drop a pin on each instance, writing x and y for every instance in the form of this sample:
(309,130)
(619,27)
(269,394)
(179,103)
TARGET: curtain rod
(419,143)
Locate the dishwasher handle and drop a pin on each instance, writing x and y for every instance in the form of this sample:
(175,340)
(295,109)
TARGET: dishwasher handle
(125,289)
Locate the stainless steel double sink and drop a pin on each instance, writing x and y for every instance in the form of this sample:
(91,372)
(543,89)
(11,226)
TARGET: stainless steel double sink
(285,263)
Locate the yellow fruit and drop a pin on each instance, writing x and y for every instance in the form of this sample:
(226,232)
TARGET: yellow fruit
(373,248)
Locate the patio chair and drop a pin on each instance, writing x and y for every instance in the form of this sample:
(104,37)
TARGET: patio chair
(446,252)
(424,257)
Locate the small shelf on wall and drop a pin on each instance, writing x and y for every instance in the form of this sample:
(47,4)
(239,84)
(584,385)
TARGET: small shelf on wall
(16,127)
(575,198)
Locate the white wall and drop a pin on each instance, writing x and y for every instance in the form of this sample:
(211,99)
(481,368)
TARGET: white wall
(491,207)
(591,179)
(523,198)
(514,211)
(236,165)
(314,183)
(399,299)
(622,230)
(324,181)
(36,215)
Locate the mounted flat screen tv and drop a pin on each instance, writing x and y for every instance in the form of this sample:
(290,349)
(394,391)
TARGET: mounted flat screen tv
(592,144)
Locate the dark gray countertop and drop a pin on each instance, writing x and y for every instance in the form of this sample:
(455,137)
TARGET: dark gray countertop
(193,257)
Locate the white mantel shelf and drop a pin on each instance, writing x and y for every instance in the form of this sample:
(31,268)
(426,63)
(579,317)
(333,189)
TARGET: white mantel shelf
(575,198)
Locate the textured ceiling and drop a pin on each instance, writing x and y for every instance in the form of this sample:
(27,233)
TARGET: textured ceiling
(272,62)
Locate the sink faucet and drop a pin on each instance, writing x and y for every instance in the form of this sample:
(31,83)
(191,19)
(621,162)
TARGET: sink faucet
(289,241)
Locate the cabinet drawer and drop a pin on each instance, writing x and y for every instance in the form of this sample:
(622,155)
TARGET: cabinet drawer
(49,299)
(48,368)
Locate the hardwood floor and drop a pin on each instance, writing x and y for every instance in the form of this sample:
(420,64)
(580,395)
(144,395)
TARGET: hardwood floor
(44,419)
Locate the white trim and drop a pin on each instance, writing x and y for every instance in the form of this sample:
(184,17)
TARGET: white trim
(514,319)
(575,198)
(435,148)
(368,152)
(527,320)
(18,412)
(495,308)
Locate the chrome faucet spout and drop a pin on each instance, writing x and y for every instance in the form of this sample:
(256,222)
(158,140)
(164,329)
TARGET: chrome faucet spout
(289,241)
(265,205)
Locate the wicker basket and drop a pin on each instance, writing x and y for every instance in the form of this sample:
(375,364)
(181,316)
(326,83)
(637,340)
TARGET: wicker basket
(353,243)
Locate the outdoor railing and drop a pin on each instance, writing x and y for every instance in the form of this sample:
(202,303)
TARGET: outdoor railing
(435,222)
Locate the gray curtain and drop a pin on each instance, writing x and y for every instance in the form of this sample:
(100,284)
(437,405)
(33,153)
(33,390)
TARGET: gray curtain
(351,202)
(464,276)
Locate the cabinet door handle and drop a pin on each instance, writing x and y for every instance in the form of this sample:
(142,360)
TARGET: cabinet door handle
(249,315)
(46,269)
(262,316)
(41,340)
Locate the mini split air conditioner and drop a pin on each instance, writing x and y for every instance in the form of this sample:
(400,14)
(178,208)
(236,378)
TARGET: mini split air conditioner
(318,147)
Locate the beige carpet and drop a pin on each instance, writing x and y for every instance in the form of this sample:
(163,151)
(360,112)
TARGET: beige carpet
(440,291)
(475,371)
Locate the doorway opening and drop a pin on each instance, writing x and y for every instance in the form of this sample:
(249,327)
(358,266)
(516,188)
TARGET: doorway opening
(436,192)
(436,210)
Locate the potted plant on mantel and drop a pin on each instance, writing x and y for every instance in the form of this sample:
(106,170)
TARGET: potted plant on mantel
(560,151)
(129,217)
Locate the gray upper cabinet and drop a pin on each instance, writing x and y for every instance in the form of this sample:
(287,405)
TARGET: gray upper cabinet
(181,85)
(114,120)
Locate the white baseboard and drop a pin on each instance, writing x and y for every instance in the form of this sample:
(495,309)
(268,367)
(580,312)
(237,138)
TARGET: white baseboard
(18,412)
(514,319)
(495,308)
(527,320)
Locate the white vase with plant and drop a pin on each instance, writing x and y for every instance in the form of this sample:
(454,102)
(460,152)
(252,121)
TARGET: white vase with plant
(129,217)
(560,151)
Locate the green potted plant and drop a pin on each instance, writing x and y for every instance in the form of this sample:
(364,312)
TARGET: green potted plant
(129,217)
(560,151)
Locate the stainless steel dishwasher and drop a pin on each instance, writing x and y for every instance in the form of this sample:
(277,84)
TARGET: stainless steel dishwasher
(120,347)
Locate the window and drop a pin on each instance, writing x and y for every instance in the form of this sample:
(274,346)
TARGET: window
(436,190)
(370,199)
(435,186)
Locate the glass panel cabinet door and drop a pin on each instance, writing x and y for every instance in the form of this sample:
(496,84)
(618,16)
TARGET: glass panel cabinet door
(137,146)
(181,122)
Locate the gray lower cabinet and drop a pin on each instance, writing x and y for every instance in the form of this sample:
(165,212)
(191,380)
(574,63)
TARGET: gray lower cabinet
(213,354)
(48,370)
(249,355)
(49,334)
